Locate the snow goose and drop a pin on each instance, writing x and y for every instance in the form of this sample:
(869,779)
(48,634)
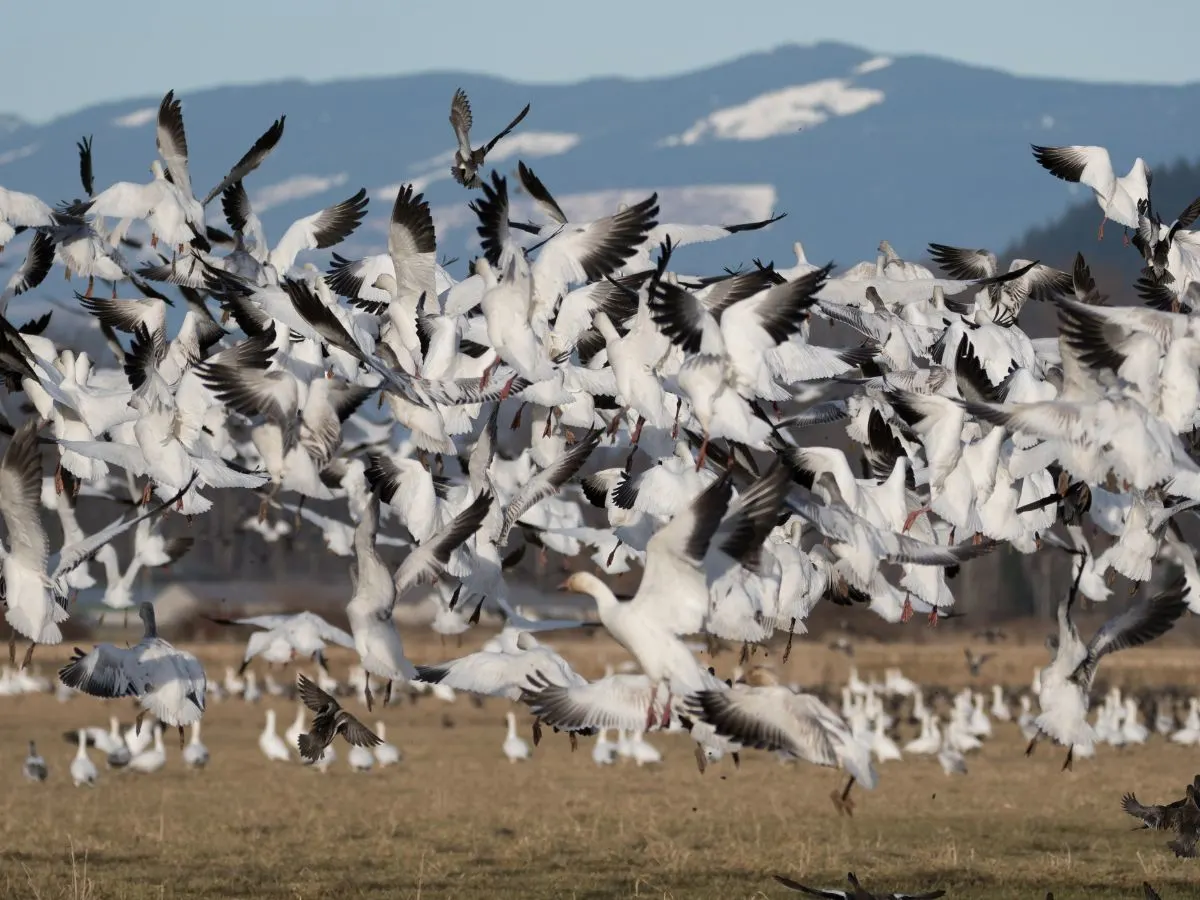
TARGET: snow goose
(573,252)
(283,637)
(36,595)
(22,211)
(616,701)
(1118,197)
(34,767)
(118,754)
(166,203)
(195,754)
(168,683)
(330,721)
(33,270)
(641,752)
(604,751)
(1190,732)
(882,746)
(269,742)
(764,714)
(950,757)
(1065,682)
(386,754)
(1000,710)
(319,231)
(671,599)
(467,159)
(376,639)
(361,759)
(151,549)
(149,761)
(83,770)
(504,671)
(929,741)
(1132,729)
(514,746)
(1001,302)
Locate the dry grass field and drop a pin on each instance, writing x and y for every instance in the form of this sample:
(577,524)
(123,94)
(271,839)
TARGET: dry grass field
(456,819)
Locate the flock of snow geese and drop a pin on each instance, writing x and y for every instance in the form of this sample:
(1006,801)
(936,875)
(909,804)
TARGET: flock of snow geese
(666,418)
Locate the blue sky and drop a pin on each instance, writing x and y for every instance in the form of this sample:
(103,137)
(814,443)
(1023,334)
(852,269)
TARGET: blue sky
(127,48)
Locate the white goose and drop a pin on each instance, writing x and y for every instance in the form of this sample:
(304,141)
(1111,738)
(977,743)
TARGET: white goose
(169,683)
(168,206)
(1066,680)
(35,594)
(370,609)
(1118,197)
(385,754)
(19,210)
(272,745)
(150,761)
(514,746)
(195,754)
(83,770)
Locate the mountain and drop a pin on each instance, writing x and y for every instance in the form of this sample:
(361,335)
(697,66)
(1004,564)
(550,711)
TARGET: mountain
(854,147)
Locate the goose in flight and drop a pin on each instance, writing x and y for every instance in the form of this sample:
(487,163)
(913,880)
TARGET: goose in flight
(168,683)
(761,713)
(21,211)
(282,637)
(467,160)
(1181,816)
(1001,301)
(1118,197)
(167,203)
(35,583)
(1064,684)
(330,721)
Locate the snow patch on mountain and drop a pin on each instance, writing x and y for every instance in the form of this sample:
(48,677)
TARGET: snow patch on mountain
(780,112)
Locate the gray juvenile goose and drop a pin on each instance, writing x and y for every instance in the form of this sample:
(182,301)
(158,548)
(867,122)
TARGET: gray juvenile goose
(330,720)
(35,767)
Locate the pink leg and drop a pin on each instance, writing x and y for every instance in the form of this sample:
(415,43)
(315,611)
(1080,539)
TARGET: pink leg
(637,431)
(912,517)
(487,373)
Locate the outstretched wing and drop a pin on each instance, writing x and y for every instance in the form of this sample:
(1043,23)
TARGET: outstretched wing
(312,696)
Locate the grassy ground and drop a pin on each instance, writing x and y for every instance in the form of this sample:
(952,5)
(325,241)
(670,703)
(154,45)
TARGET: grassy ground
(455,819)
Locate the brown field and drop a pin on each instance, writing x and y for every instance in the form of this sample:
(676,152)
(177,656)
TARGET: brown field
(455,819)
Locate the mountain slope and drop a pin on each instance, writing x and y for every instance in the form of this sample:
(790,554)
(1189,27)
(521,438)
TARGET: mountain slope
(855,148)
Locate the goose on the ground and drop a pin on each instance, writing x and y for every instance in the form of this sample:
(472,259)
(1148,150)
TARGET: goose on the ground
(386,754)
(515,748)
(195,754)
(34,767)
(83,770)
